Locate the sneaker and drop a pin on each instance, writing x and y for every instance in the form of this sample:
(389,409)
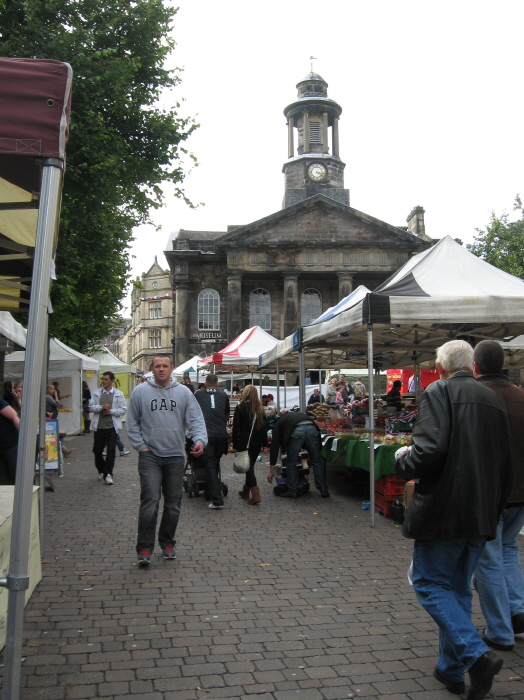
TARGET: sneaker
(100,476)
(104,454)
(125,452)
(215,507)
(144,558)
(109,480)
(168,552)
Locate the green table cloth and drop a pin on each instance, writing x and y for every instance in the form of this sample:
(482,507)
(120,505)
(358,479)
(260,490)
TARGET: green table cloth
(357,455)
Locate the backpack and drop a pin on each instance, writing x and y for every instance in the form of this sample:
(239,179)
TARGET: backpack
(358,391)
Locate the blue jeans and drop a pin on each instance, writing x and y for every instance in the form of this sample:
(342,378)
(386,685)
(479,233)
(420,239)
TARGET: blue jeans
(159,476)
(442,571)
(305,435)
(498,578)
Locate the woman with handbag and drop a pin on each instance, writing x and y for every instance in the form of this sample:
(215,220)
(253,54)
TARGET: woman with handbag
(250,434)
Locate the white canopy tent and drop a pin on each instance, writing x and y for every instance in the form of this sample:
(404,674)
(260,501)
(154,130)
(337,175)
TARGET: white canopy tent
(125,374)
(443,293)
(12,330)
(69,368)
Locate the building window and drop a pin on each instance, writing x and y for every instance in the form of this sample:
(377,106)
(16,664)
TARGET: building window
(314,132)
(310,306)
(208,310)
(260,309)
(155,309)
(155,340)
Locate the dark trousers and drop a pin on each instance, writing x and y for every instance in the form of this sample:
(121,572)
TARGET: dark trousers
(251,479)
(213,451)
(105,438)
(8,466)
(159,476)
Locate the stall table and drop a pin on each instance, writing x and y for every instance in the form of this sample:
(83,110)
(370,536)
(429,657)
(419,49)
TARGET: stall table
(357,454)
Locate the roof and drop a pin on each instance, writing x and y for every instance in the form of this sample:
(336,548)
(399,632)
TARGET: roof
(245,349)
(61,356)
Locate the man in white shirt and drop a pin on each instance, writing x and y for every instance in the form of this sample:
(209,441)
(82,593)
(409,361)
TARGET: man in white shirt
(107,405)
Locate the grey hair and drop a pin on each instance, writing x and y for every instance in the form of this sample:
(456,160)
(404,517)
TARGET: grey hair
(455,355)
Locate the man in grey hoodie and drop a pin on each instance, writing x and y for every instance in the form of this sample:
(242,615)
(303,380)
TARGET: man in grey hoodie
(159,412)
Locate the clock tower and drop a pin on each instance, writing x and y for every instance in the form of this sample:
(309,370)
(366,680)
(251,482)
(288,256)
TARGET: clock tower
(312,169)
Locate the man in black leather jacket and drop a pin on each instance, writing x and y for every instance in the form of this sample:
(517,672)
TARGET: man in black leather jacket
(461,459)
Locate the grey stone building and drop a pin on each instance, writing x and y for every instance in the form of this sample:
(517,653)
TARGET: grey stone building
(285,269)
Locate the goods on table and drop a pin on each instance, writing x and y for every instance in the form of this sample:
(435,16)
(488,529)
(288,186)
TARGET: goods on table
(320,409)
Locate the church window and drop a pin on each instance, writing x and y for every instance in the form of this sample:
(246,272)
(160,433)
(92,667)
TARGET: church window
(314,132)
(260,309)
(208,310)
(155,309)
(310,306)
(155,339)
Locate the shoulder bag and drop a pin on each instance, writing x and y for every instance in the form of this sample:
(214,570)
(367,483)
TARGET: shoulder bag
(241,462)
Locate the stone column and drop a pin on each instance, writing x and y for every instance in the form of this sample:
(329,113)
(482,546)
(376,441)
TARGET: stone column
(181,353)
(335,137)
(305,128)
(234,306)
(290,137)
(345,284)
(291,308)
(325,138)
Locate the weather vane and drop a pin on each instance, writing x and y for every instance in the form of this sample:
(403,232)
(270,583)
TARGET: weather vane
(312,58)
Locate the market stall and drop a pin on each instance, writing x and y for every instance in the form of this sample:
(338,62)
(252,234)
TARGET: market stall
(69,368)
(442,293)
(125,374)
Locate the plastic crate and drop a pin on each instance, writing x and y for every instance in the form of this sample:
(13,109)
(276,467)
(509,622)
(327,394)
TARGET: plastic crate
(390,486)
(384,504)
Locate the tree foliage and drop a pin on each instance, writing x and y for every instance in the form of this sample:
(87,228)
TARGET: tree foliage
(502,243)
(122,147)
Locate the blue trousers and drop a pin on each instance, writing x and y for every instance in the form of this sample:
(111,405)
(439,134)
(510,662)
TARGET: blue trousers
(159,476)
(442,571)
(498,578)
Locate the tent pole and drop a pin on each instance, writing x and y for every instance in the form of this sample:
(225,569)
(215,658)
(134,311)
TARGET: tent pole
(17,581)
(301,380)
(278,387)
(41,441)
(371,396)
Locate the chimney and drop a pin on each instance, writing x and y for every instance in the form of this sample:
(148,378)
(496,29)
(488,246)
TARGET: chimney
(416,222)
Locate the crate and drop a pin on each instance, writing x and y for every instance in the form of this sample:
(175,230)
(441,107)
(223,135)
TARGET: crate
(390,486)
(384,504)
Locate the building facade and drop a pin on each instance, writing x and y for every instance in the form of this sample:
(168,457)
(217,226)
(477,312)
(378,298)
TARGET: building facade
(287,268)
(151,330)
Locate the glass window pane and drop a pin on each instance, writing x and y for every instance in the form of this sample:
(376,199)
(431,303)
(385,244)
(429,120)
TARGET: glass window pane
(310,306)
(260,309)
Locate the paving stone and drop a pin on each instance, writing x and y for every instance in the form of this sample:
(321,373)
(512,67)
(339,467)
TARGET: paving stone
(331,617)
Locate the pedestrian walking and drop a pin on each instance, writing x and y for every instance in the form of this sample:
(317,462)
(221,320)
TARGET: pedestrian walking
(461,460)
(215,409)
(108,405)
(160,411)
(498,578)
(250,433)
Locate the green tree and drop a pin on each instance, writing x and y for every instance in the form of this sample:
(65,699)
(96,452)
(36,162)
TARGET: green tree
(122,146)
(502,243)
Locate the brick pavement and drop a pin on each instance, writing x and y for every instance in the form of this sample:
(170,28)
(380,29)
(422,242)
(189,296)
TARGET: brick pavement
(288,600)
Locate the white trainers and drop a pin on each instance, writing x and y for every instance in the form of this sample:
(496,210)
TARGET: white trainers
(124,453)
(109,479)
(214,507)
(100,476)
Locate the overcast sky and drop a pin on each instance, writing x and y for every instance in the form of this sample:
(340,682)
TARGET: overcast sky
(431,95)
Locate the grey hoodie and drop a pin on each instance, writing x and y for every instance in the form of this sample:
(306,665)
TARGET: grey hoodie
(157,417)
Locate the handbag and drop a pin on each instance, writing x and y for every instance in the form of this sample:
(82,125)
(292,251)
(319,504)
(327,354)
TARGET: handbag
(241,461)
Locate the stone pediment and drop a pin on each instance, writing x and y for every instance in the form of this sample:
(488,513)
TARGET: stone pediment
(320,222)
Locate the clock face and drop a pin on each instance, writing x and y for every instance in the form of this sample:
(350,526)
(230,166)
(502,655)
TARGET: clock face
(317,172)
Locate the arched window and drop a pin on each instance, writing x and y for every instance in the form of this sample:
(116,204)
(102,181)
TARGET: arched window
(310,306)
(260,309)
(208,310)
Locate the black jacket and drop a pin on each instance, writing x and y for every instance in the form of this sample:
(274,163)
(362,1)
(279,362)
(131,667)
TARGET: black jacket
(513,399)
(215,409)
(242,423)
(282,432)
(462,458)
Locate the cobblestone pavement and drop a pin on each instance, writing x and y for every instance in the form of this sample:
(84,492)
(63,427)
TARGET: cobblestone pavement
(291,600)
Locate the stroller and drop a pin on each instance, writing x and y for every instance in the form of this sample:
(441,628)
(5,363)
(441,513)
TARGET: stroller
(195,475)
